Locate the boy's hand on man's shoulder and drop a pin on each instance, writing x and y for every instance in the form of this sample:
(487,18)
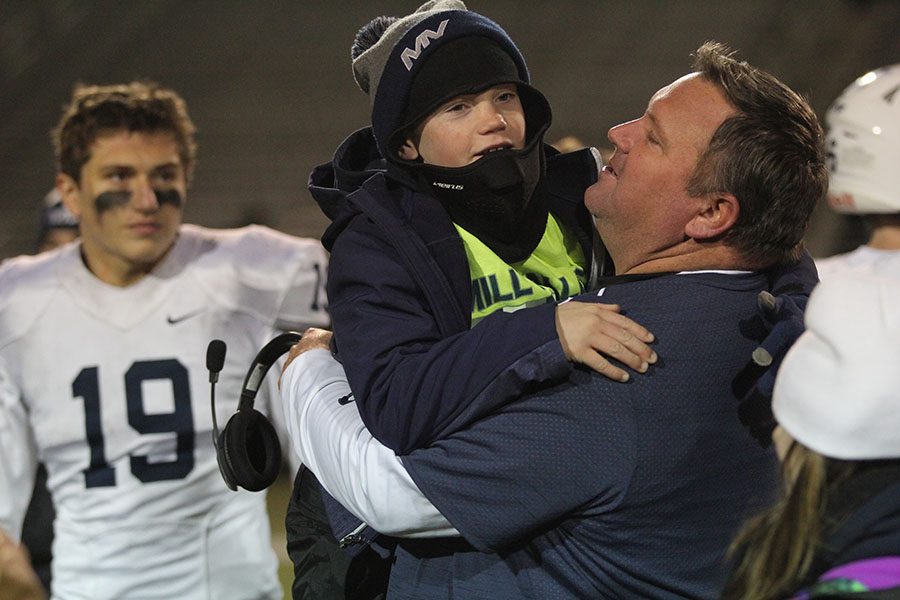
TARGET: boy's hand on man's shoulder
(589,333)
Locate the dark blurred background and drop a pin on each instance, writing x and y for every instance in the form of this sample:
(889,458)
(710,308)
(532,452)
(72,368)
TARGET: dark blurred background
(269,85)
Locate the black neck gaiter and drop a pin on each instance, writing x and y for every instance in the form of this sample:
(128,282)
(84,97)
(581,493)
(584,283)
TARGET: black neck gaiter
(499,198)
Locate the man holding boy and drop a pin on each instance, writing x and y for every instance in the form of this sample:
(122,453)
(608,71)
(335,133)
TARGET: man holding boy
(591,488)
(455,231)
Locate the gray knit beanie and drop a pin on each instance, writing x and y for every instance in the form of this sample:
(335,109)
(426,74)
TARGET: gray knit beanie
(386,69)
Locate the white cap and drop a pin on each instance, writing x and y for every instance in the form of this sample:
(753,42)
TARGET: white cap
(838,389)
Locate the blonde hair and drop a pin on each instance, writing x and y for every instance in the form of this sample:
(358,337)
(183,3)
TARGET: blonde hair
(774,550)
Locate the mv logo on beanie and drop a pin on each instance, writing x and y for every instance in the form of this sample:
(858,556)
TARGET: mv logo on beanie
(422,41)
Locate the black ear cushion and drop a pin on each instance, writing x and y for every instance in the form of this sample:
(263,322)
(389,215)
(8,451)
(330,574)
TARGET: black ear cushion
(225,467)
(252,450)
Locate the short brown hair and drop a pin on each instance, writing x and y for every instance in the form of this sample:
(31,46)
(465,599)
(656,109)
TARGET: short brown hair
(96,110)
(770,156)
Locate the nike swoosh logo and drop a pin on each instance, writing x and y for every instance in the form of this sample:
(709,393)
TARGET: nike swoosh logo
(173,320)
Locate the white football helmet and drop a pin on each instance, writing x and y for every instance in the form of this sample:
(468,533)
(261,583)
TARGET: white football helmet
(863,144)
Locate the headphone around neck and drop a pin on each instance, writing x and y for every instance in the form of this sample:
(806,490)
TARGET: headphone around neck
(247,449)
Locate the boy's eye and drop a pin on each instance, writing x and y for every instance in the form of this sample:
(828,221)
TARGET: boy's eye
(506,96)
(456,107)
(652,138)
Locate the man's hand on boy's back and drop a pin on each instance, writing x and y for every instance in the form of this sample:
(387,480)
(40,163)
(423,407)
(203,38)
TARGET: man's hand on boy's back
(589,333)
(312,338)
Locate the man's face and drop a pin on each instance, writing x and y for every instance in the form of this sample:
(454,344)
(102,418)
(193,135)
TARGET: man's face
(129,203)
(467,127)
(640,202)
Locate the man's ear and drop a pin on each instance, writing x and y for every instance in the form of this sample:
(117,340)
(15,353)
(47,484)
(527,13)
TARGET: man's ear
(717,214)
(408,150)
(68,190)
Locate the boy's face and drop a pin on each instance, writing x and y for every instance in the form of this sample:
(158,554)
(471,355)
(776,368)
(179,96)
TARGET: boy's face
(129,203)
(464,129)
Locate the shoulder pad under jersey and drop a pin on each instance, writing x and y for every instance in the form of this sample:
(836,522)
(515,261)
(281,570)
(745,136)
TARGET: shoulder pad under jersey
(27,286)
(255,269)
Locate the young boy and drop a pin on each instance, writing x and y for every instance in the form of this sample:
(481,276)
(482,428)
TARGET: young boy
(470,217)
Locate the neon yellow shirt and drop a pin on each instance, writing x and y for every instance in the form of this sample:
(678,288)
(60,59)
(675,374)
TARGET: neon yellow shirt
(553,272)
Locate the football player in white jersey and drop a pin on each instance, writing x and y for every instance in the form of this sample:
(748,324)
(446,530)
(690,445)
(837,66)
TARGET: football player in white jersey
(864,154)
(102,362)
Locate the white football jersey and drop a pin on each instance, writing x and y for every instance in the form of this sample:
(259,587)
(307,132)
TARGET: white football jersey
(862,259)
(108,387)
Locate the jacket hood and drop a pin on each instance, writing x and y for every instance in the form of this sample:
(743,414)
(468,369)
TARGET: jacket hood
(355,160)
